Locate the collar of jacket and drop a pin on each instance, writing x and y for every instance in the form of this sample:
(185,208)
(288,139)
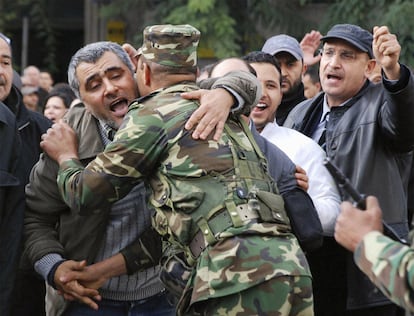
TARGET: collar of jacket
(179,86)
(14,102)
(314,112)
(4,114)
(86,127)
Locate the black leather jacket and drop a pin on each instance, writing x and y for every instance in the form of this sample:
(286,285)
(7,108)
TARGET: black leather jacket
(372,144)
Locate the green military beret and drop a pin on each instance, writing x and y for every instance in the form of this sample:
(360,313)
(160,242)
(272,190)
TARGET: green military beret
(171,45)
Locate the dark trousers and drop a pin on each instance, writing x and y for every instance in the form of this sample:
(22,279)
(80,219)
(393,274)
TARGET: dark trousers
(28,294)
(328,267)
(386,310)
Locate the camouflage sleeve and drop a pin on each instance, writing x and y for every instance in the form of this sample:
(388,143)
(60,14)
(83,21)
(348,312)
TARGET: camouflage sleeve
(133,154)
(243,83)
(389,265)
(103,182)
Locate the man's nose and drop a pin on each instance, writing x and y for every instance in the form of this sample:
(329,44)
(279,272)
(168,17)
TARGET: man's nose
(110,87)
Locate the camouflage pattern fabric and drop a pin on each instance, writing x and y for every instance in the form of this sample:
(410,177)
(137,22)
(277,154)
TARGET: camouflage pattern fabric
(285,295)
(171,45)
(153,144)
(390,266)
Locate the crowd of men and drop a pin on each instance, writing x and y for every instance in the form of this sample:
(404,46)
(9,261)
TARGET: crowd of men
(164,194)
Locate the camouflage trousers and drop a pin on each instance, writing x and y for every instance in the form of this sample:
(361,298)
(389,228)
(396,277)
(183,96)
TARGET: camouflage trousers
(280,296)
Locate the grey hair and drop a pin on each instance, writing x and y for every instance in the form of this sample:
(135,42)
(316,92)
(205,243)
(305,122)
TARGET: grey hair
(92,53)
(7,40)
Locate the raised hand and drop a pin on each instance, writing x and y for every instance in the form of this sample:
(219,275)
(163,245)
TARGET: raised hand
(309,44)
(387,49)
(212,114)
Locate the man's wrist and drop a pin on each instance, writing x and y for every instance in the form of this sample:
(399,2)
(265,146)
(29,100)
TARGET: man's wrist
(44,265)
(238,100)
(64,158)
(51,275)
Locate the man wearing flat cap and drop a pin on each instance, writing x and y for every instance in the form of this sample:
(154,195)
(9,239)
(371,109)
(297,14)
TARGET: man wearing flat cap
(369,135)
(214,199)
(288,52)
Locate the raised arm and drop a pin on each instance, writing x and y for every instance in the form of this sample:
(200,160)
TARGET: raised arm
(237,92)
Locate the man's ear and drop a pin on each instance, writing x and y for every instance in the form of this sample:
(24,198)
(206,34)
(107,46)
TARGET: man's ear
(147,74)
(370,67)
(304,67)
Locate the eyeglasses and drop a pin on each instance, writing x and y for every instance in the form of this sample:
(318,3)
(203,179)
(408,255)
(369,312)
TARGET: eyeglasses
(344,55)
(5,38)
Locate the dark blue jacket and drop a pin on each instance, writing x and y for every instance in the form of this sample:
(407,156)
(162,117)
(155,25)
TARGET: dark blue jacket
(31,126)
(11,205)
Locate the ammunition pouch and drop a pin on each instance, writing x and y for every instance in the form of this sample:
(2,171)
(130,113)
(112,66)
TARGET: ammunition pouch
(272,209)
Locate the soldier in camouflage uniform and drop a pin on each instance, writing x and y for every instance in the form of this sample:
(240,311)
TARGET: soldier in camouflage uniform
(213,199)
(49,224)
(388,263)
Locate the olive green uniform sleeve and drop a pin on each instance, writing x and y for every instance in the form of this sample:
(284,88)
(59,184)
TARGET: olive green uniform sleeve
(243,83)
(389,265)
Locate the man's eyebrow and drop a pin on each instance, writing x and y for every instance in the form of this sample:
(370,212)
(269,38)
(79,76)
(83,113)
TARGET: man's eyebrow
(6,56)
(91,78)
(96,75)
(271,81)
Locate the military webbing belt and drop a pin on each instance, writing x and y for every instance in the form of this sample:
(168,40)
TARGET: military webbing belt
(219,223)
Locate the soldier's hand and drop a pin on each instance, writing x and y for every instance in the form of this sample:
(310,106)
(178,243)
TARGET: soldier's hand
(353,224)
(212,114)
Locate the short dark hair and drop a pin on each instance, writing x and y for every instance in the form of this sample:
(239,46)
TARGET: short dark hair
(63,91)
(262,57)
(313,72)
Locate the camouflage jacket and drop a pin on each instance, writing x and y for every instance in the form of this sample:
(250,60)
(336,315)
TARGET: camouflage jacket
(389,265)
(152,144)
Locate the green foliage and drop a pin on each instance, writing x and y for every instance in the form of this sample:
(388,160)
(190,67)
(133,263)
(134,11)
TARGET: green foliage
(212,18)
(203,7)
(228,27)
(40,22)
(281,15)
(119,8)
(9,11)
(363,13)
(44,32)
(399,17)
